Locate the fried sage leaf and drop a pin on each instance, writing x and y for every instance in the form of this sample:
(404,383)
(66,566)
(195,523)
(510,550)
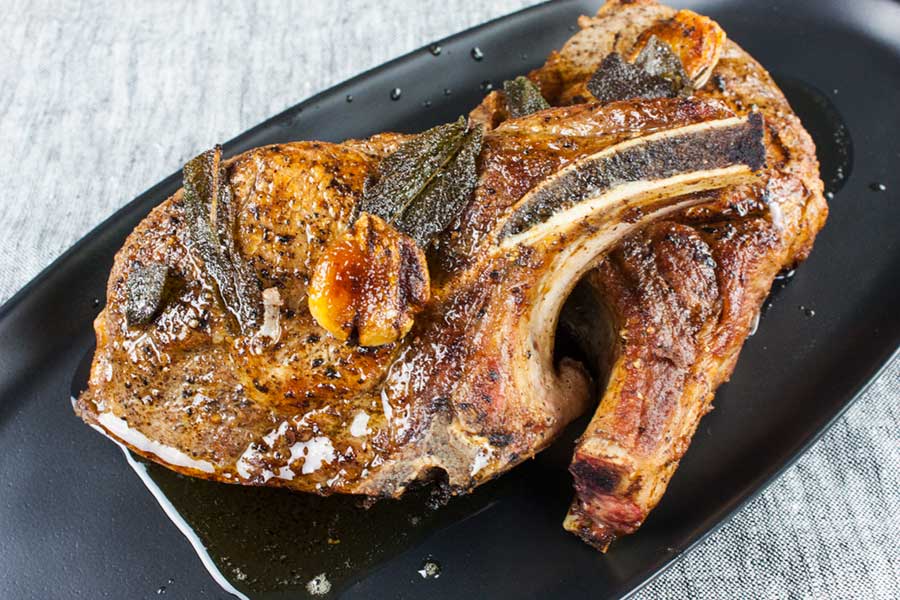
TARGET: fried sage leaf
(616,79)
(404,175)
(446,195)
(146,292)
(656,73)
(657,58)
(212,220)
(523,97)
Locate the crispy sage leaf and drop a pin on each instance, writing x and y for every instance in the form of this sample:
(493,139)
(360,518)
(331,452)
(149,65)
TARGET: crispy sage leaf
(657,72)
(616,79)
(212,219)
(404,175)
(446,195)
(657,58)
(523,97)
(146,291)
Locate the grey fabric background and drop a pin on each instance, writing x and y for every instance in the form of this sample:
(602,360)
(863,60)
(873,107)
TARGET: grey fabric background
(98,101)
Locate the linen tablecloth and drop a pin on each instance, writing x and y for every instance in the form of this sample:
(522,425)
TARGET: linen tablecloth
(100,100)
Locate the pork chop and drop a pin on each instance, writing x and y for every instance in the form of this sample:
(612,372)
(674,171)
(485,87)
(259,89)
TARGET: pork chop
(681,208)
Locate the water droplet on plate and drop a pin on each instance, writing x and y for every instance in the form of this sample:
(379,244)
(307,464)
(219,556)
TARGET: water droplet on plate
(523,56)
(877,187)
(95,302)
(447,91)
(571,28)
(430,569)
(427,104)
(807,311)
(349,98)
(486,86)
(477,54)
(435,49)
(829,195)
(396,93)
(161,591)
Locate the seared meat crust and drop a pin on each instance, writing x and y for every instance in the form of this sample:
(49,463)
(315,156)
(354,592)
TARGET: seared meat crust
(683,294)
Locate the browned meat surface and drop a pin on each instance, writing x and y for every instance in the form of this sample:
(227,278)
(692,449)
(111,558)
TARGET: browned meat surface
(682,295)
(664,198)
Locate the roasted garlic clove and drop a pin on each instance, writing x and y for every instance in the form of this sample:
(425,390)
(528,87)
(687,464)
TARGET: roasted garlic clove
(372,280)
(695,39)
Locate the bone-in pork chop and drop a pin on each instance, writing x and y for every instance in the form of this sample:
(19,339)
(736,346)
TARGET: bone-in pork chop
(352,318)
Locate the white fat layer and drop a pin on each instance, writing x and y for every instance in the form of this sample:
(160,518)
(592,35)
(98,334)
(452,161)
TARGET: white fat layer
(134,438)
(315,452)
(251,455)
(482,458)
(359,425)
(271,327)
(777,215)
(755,324)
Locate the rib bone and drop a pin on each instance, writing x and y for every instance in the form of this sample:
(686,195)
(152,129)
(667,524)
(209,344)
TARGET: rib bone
(697,157)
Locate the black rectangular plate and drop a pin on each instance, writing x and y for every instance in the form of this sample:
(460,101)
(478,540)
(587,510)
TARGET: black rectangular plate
(78,523)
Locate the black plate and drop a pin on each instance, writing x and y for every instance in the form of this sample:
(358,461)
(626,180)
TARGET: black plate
(78,523)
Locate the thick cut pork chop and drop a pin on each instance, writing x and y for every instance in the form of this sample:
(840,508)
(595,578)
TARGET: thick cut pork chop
(680,208)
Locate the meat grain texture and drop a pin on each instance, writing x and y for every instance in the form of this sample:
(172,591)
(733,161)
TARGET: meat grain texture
(674,270)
